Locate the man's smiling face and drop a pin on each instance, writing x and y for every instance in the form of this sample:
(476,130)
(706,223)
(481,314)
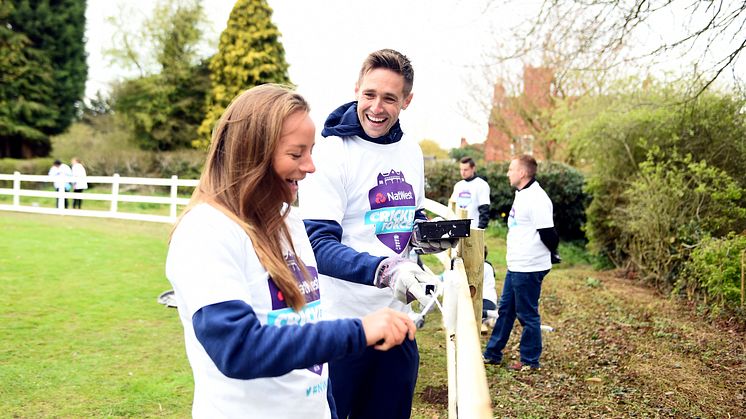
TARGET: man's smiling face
(380,98)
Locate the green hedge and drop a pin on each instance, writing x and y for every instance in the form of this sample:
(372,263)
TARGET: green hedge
(563,183)
(38,166)
(713,274)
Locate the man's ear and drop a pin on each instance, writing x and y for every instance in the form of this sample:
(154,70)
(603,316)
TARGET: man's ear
(407,101)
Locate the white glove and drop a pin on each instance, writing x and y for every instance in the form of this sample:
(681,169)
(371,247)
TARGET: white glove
(405,278)
(430,246)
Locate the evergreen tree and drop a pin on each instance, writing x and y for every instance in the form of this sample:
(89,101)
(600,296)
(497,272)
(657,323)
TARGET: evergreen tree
(57,28)
(25,88)
(249,54)
(51,69)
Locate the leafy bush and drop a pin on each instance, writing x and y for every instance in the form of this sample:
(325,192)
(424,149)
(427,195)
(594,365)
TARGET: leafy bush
(615,133)
(440,176)
(669,207)
(713,273)
(105,147)
(37,166)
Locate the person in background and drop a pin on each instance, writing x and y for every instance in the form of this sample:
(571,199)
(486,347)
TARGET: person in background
(61,173)
(245,278)
(531,241)
(79,180)
(473,194)
(359,209)
(489,294)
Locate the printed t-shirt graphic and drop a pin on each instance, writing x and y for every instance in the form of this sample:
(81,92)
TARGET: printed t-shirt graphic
(464,199)
(282,315)
(511,218)
(392,207)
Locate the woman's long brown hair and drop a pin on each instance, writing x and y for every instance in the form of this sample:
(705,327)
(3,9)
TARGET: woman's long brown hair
(238,178)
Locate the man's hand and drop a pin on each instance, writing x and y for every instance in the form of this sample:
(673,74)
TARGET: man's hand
(430,246)
(405,278)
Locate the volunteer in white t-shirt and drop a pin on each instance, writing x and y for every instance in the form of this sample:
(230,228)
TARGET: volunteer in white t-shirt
(79,180)
(473,194)
(245,277)
(531,239)
(359,209)
(489,293)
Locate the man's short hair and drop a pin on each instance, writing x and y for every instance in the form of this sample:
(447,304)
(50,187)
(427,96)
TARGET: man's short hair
(390,60)
(56,163)
(467,160)
(529,164)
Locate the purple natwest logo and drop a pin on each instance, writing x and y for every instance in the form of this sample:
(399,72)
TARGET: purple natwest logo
(310,289)
(392,206)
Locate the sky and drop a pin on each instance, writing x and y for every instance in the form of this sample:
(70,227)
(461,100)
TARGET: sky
(326,41)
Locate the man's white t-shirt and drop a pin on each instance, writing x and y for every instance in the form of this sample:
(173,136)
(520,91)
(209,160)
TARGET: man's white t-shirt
(372,191)
(471,195)
(235,273)
(532,210)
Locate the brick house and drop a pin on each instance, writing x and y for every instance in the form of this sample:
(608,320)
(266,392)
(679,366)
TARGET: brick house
(516,123)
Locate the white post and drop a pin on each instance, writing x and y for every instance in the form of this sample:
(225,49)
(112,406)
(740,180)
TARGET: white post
(114,191)
(16,188)
(174,195)
(61,199)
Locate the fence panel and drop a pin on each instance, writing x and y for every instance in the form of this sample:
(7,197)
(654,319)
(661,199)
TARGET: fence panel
(114,197)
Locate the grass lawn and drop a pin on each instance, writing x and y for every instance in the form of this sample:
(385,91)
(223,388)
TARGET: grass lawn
(82,336)
(82,333)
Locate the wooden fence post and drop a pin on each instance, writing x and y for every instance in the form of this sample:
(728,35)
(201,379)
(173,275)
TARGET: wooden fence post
(472,252)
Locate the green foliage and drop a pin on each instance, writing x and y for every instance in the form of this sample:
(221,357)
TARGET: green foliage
(164,110)
(713,273)
(25,87)
(616,132)
(563,184)
(670,206)
(470,150)
(35,166)
(56,30)
(163,113)
(440,176)
(249,54)
(432,149)
(104,146)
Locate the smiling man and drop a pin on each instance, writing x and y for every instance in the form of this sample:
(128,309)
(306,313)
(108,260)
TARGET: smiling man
(359,209)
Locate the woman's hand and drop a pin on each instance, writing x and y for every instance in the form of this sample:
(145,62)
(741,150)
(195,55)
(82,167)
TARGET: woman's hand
(387,328)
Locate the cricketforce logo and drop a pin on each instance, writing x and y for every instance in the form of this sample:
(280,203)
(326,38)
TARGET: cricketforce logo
(392,207)
(282,315)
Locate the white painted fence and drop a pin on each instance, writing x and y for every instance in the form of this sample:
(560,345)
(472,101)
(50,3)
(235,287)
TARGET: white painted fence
(114,197)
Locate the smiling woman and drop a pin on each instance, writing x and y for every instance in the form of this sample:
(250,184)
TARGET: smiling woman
(244,273)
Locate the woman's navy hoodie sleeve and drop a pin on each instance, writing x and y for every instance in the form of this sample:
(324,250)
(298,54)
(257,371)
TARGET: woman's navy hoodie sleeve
(241,347)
